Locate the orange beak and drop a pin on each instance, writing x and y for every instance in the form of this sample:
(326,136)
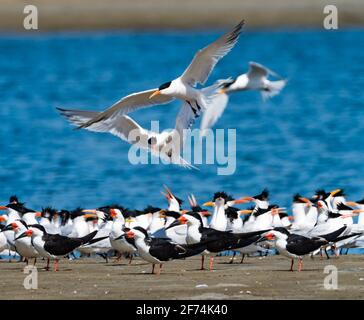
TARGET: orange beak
(112,213)
(169,195)
(2,219)
(155,93)
(89,210)
(243,200)
(209,204)
(351,204)
(269,236)
(333,193)
(222,91)
(3,208)
(206,213)
(182,219)
(130,234)
(29,232)
(38,214)
(358,211)
(243,212)
(14,226)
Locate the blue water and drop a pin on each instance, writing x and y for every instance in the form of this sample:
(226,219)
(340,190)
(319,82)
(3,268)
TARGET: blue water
(309,137)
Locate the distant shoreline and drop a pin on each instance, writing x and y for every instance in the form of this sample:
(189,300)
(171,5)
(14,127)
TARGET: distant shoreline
(59,15)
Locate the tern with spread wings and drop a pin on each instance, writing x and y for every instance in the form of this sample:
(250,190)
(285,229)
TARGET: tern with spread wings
(167,145)
(255,79)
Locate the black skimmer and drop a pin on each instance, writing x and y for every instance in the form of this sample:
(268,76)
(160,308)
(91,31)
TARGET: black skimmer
(296,246)
(54,246)
(159,250)
(215,241)
(24,247)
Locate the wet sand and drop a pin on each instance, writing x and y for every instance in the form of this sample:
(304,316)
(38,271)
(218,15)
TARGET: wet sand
(176,14)
(258,278)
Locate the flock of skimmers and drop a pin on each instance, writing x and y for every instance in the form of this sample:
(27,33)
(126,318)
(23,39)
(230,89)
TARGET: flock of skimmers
(324,221)
(209,102)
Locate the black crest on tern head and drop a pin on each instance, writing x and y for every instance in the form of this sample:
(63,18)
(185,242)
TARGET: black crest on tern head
(165,85)
(14,199)
(222,194)
(321,194)
(151,209)
(76,213)
(263,196)
(297,198)
(51,211)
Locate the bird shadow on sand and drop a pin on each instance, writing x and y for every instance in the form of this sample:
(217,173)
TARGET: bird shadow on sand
(296,271)
(124,264)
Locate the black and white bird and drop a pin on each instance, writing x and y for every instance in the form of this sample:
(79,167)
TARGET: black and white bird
(296,246)
(214,241)
(54,246)
(255,79)
(159,250)
(24,247)
(168,144)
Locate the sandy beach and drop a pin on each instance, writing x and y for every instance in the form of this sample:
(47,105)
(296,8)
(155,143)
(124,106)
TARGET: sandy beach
(175,14)
(258,278)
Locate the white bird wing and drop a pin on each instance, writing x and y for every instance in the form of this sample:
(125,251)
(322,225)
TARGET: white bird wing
(121,126)
(128,104)
(185,119)
(205,59)
(257,70)
(213,112)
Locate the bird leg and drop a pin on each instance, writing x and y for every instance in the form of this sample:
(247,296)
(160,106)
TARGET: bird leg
(35,261)
(153,268)
(292,263)
(242,258)
(160,269)
(118,256)
(300,265)
(131,258)
(202,262)
(47,267)
(232,259)
(327,255)
(211,263)
(56,267)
